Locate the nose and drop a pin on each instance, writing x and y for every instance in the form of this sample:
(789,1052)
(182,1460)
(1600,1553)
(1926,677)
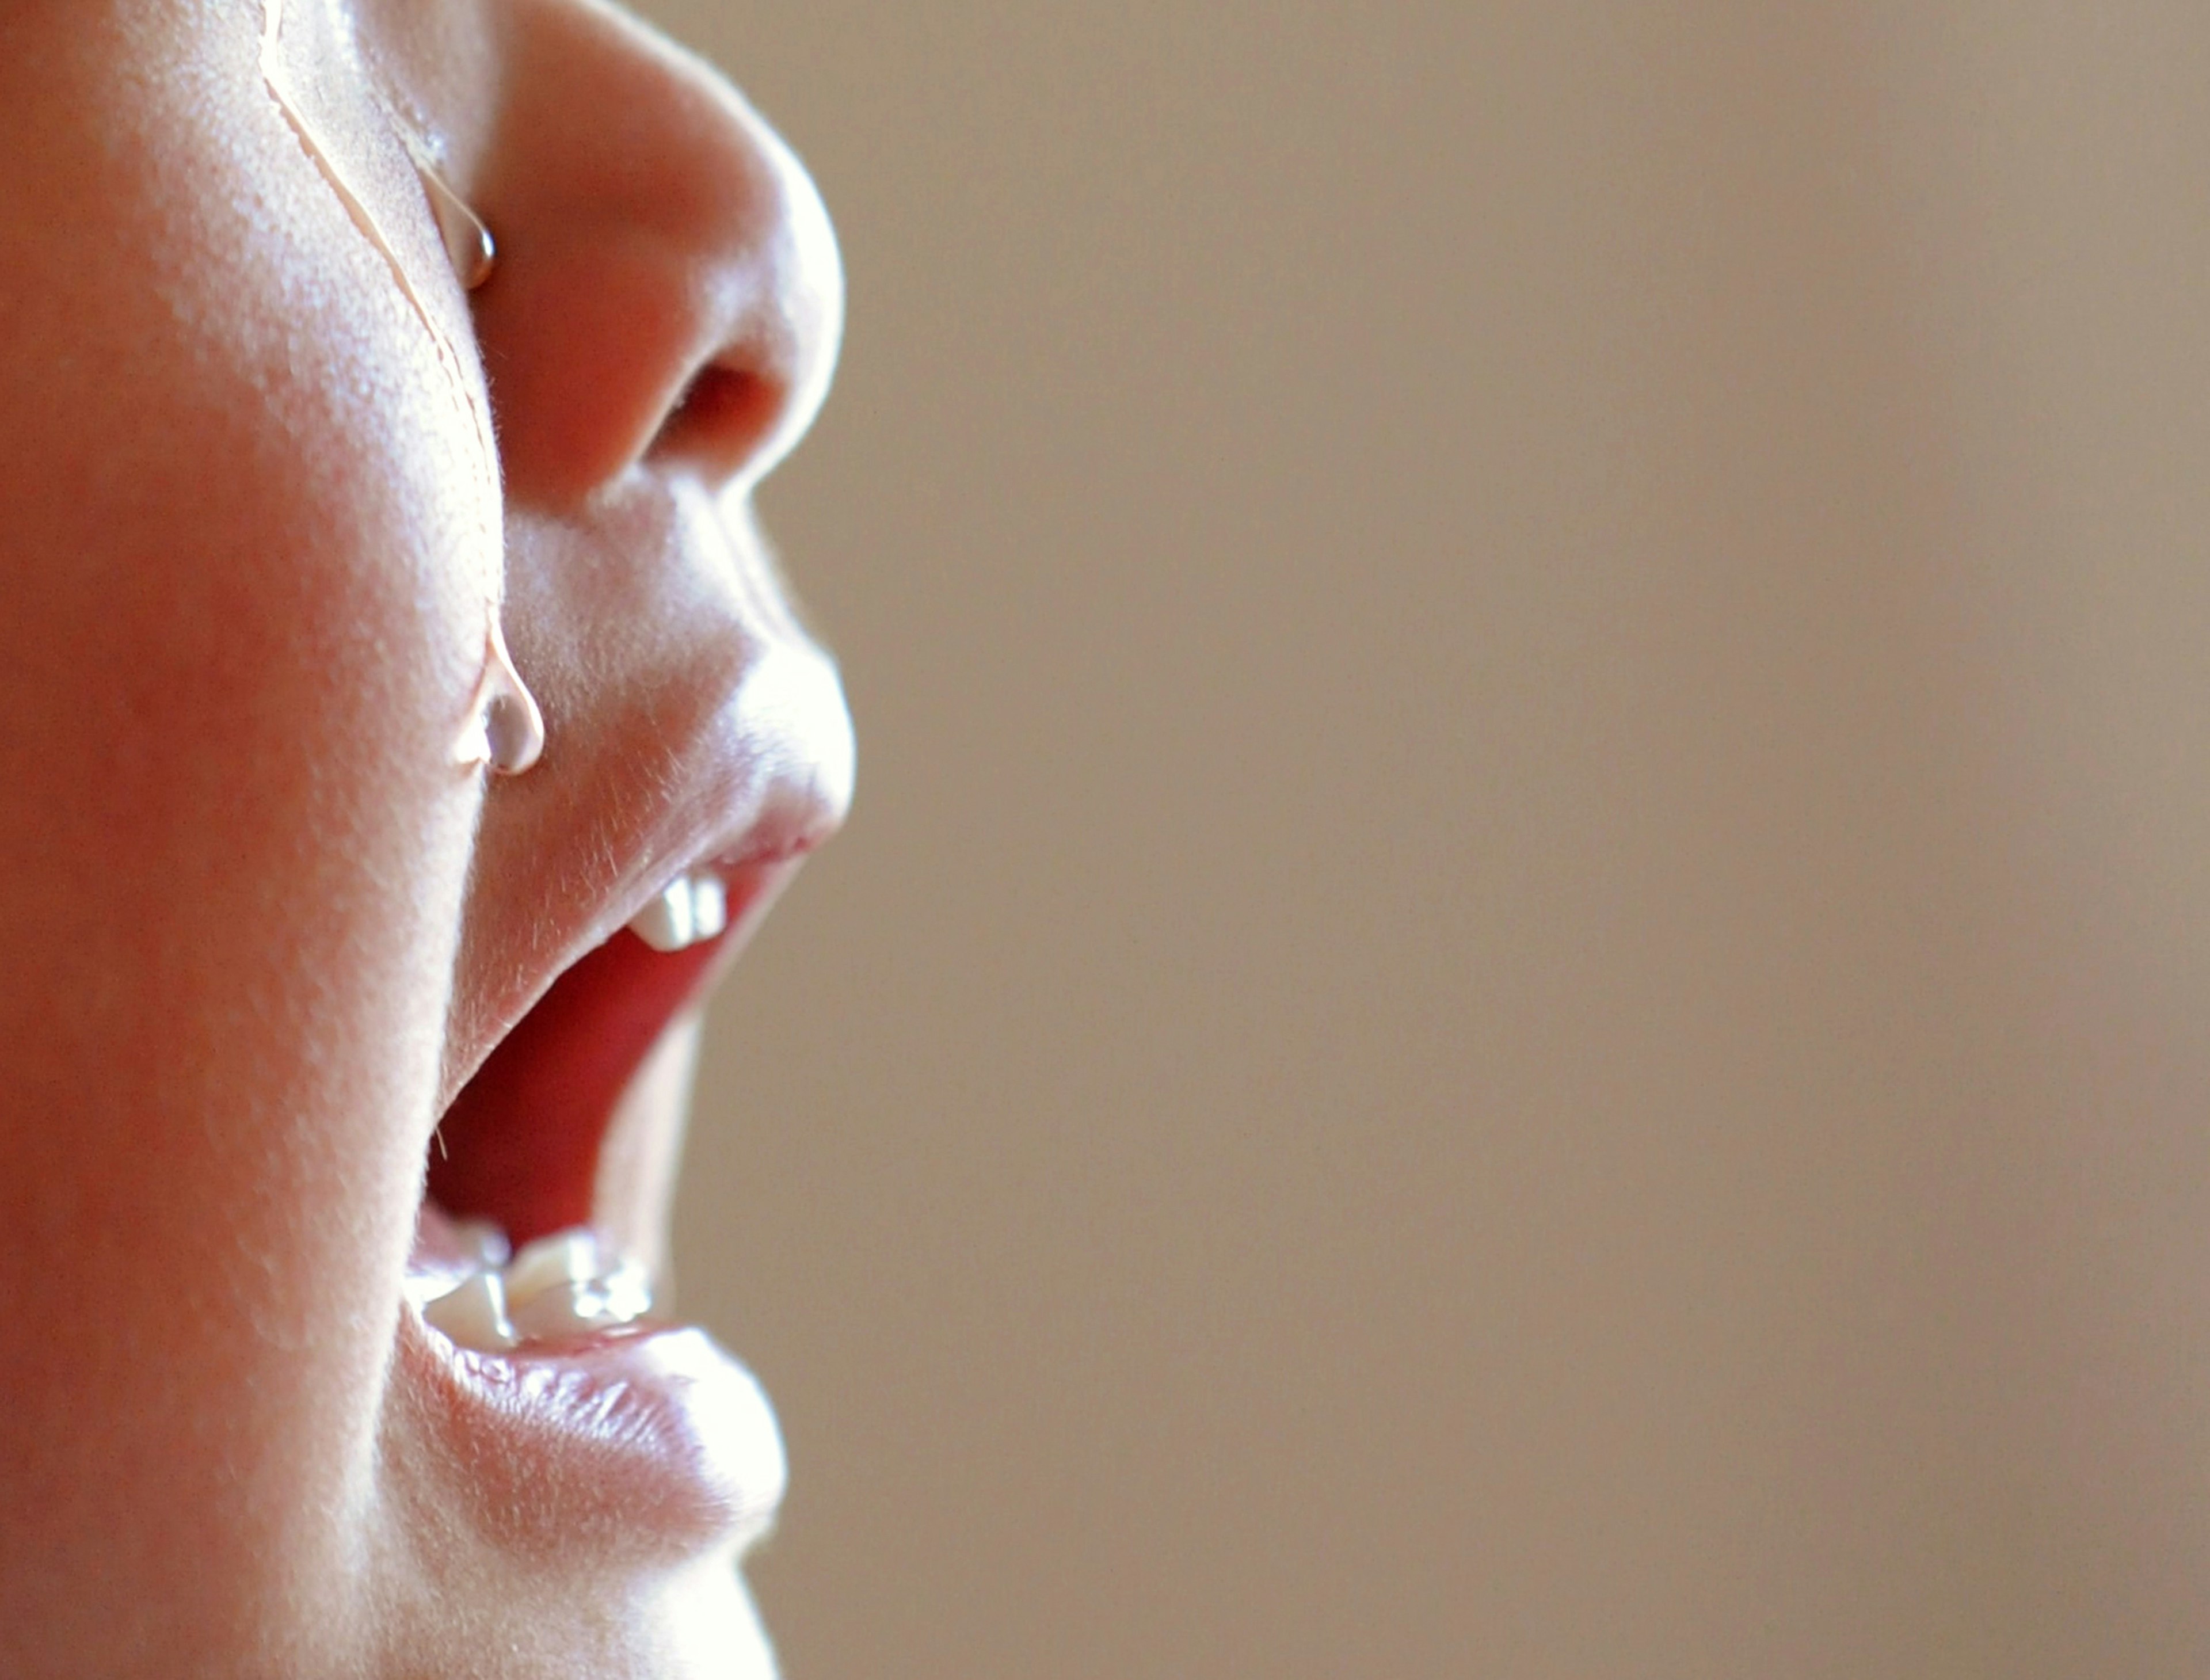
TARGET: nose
(667,294)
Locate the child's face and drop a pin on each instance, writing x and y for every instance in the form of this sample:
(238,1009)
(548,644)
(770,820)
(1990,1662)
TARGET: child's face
(270,474)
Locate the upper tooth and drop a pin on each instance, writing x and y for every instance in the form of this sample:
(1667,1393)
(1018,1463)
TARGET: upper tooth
(665,923)
(709,906)
(692,907)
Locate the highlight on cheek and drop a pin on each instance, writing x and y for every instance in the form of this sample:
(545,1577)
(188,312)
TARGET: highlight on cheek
(503,726)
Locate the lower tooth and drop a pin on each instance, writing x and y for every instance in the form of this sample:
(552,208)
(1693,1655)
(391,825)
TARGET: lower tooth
(556,1286)
(475,1315)
(570,1309)
(560,1285)
(565,1257)
(628,1292)
(484,1240)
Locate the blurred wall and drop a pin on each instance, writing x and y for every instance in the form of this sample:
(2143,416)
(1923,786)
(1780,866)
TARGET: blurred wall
(1518,985)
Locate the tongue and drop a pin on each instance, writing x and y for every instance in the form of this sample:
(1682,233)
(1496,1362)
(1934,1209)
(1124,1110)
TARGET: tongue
(520,1144)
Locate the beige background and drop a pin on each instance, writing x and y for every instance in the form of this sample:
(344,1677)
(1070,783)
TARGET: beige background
(1516,989)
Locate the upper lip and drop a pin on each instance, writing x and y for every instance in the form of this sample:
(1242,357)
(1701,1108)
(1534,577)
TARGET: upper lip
(691,724)
(799,804)
(776,800)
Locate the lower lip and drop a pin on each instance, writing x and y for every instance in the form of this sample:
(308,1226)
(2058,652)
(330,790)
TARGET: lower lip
(648,1439)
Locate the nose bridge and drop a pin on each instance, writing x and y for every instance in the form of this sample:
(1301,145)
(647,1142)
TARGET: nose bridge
(668,287)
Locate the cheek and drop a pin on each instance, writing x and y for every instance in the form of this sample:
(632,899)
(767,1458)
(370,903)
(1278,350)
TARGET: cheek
(250,539)
(422,410)
(244,611)
(308,525)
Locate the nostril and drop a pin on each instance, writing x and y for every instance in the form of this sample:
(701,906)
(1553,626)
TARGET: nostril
(723,416)
(669,294)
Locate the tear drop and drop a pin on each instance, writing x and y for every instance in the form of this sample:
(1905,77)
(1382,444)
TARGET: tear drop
(505,729)
(468,244)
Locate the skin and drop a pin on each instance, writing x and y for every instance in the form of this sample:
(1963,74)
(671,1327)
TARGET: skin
(259,926)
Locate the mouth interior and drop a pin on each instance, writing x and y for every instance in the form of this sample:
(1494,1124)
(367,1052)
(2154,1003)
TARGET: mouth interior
(522,1143)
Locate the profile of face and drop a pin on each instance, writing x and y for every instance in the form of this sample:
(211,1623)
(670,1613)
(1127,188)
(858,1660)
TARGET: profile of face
(401,725)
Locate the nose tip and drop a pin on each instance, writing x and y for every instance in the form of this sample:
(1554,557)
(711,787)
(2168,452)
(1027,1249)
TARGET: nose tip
(791,708)
(668,292)
(754,395)
(831,755)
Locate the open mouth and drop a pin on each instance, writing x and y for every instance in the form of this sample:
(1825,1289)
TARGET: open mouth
(548,1175)
(533,1335)
(537,1373)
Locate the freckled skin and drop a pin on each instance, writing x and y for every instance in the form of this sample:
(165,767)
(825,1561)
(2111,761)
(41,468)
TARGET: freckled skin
(260,925)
